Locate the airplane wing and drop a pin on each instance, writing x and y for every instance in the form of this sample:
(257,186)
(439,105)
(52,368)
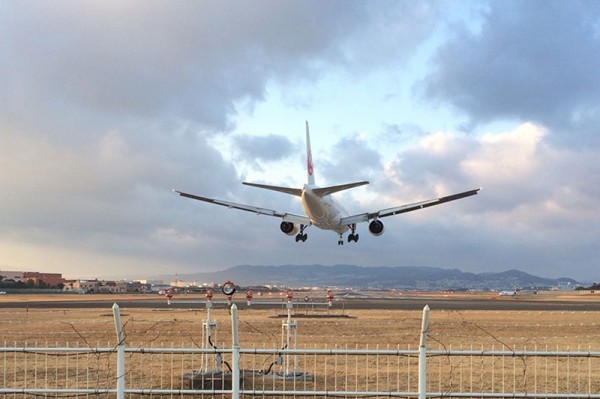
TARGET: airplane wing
(287,217)
(365,217)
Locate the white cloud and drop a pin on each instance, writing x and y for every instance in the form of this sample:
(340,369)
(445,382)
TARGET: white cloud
(506,157)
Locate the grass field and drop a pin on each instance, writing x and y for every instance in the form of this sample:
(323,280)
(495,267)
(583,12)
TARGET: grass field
(554,329)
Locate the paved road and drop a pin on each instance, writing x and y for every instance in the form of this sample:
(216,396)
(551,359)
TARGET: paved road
(403,303)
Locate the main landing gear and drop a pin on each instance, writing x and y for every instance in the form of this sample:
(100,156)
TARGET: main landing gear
(302,236)
(353,236)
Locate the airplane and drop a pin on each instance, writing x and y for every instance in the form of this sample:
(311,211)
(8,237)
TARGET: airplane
(321,209)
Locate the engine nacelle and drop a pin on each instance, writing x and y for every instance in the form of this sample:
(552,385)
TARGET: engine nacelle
(376,228)
(288,228)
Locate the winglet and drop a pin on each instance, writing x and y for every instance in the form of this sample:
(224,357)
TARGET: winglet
(309,160)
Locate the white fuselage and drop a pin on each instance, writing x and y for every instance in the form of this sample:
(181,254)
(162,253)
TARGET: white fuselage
(323,211)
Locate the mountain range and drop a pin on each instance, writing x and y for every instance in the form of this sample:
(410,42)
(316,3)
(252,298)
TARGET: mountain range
(357,277)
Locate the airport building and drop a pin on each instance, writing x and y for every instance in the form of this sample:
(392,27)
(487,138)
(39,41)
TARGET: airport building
(12,276)
(49,279)
(95,286)
(81,286)
(35,278)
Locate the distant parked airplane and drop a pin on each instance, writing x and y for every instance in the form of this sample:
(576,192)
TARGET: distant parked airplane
(322,210)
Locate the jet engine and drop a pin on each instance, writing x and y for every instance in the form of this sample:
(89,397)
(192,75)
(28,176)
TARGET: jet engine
(376,228)
(288,228)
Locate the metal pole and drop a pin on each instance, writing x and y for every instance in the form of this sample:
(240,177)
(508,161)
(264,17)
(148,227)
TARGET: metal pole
(289,338)
(209,325)
(423,354)
(235,373)
(120,353)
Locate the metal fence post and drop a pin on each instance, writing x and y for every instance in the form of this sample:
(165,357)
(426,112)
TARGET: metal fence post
(120,353)
(235,372)
(423,354)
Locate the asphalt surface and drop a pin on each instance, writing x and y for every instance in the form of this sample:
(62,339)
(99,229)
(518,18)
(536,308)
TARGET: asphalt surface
(401,303)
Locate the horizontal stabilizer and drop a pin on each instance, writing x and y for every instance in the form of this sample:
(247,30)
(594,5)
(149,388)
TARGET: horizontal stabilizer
(293,191)
(322,191)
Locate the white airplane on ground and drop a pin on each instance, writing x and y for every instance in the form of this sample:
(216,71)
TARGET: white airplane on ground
(322,210)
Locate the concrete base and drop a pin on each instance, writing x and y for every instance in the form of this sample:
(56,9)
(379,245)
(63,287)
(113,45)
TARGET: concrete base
(222,381)
(295,375)
(208,380)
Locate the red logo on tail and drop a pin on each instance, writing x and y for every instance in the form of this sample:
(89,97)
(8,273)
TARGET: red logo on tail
(310,164)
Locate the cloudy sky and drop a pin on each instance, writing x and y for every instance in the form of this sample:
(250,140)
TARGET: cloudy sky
(106,107)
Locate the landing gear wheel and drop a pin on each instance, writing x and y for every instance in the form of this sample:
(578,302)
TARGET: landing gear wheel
(302,236)
(341,240)
(352,236)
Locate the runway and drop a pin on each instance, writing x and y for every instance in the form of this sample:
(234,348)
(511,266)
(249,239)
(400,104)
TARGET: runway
(489,302)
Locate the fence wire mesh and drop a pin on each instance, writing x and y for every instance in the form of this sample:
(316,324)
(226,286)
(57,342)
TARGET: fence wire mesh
(162,369)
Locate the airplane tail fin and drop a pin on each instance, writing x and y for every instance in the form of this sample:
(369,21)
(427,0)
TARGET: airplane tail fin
(311,173)
(309,166)
(309,161)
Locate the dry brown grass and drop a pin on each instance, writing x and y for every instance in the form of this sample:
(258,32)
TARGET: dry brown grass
(260,327)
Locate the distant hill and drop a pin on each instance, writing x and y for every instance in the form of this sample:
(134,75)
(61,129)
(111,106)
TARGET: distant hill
(350,276)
